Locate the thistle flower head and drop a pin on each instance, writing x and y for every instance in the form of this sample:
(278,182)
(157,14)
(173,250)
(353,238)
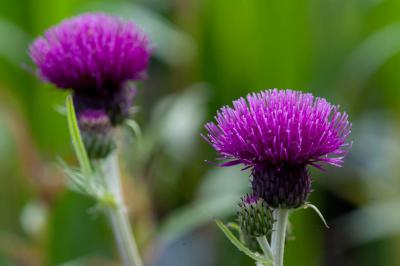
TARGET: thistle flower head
(278,133)
(92,54)
(96,56)
(280,126)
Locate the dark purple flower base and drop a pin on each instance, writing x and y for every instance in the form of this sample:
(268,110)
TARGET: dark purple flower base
(282,186)
(116,103)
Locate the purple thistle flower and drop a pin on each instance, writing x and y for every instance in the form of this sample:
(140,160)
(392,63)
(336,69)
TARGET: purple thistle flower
(93,54)
(278,133)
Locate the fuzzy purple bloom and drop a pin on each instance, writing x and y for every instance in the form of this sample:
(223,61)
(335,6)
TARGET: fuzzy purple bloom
(93,54)
(278,126)
(278,133)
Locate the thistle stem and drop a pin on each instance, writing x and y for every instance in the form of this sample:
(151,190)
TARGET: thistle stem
(279,235)
(117,214)
(263,242)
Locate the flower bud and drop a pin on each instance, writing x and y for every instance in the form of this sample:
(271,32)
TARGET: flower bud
(255,217)
(97,133)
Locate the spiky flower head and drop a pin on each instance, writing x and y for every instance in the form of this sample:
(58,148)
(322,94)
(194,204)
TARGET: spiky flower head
(255,217)
(97,133)
(278,133)
(93,54)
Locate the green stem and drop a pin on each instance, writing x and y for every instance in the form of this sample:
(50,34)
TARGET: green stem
(117,214)
(279,235)
(263,242)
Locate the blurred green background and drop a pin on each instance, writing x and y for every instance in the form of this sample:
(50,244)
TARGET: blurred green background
(207,53)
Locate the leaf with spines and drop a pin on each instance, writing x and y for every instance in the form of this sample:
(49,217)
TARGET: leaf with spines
(76,181)
(84,184)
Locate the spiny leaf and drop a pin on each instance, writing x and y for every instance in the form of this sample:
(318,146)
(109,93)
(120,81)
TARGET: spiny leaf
(76,180)
(76,138)
(240,246)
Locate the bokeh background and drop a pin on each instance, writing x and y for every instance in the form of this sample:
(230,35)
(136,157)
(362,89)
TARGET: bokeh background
(207,53)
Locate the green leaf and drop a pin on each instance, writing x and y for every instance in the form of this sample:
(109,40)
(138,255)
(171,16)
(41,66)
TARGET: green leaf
(76,138)
(312,206)
(240,246)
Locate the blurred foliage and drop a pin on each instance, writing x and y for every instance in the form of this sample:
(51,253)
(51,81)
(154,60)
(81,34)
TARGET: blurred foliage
(207,53)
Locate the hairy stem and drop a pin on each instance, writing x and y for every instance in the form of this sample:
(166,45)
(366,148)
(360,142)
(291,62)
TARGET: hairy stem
(279,235)
(263,242)
(117,214)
